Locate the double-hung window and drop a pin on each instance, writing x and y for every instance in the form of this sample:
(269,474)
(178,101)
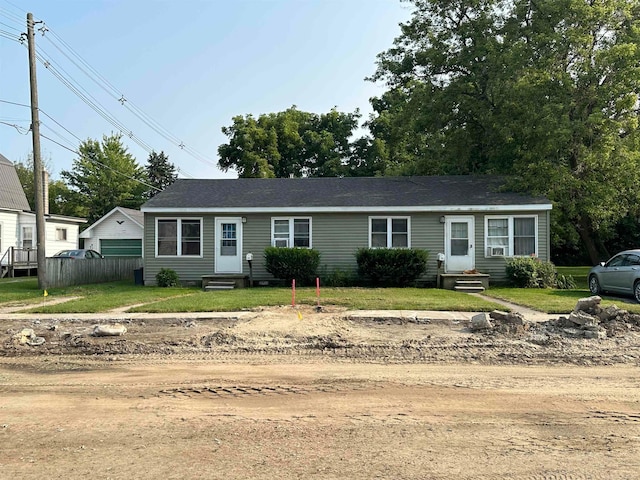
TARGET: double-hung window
(291,232)
(511,236)
(27,237)
(389,232)
(178,237)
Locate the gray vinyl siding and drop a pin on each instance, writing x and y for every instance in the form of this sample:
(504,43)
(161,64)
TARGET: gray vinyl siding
(495,266)
(189,269)
(337,236)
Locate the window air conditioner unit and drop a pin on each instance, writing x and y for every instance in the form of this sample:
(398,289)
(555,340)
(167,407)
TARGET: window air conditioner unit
(497,251)
(281,242)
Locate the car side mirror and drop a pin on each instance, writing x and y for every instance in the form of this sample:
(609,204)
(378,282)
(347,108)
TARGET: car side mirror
(602,264)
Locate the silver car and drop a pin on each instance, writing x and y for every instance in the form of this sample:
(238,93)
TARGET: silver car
(621,274)
(78,254)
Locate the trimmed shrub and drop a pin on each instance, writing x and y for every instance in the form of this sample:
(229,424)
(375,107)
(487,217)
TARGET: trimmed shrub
(300,264)
(167,278)
(391,267)
(531,272)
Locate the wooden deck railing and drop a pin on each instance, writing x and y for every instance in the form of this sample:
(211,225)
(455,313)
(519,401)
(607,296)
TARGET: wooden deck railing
(18,258)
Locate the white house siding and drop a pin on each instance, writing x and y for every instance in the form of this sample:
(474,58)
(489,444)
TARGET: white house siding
(52,246)
(110,229)
(8,231)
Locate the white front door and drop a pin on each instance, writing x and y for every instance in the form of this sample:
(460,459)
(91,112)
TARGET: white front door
(459,242)
(228,245)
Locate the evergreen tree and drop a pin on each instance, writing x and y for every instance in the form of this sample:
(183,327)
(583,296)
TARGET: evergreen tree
(160,172)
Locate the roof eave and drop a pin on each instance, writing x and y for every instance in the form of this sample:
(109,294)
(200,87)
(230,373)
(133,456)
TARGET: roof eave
(395,208)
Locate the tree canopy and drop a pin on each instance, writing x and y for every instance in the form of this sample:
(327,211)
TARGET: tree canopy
(546,91)
(62,201)
(296,143)
(105,176)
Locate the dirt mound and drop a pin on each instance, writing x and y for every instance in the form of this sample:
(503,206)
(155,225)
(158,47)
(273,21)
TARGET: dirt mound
(590,335)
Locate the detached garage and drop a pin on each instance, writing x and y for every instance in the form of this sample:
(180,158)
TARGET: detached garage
(117,234)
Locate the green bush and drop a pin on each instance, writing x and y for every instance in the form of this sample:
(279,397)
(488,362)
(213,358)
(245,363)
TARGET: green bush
(565,282)
(167,278)
(391,267)
(300,264)
(531,272)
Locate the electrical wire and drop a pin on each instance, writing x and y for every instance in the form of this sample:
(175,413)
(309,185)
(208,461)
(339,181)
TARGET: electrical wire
(17,127)
(112,91)
(15,103)
(93,160)
(66,79)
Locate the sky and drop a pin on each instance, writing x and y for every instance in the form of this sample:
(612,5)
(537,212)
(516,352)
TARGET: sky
(187,67)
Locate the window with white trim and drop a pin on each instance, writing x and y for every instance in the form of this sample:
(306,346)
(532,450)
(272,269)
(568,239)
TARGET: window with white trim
(27,237)
(291,232)
(389,232)
(178,237)
(513,236)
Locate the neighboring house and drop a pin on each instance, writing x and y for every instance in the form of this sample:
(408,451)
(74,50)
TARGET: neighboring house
(18,224)
(205,227)
(116,234)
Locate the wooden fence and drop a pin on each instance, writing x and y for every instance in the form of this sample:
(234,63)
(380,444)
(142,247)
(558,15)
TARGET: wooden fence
(64,272)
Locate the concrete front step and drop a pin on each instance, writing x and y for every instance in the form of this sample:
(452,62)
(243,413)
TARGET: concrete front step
(469,288)
(220,285)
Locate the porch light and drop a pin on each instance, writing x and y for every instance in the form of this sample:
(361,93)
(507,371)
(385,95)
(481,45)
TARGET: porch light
(442,219)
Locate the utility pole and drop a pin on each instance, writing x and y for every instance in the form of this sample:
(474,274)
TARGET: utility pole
(37,159)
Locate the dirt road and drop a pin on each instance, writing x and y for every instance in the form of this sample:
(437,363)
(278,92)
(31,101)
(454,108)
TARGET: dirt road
(327,396)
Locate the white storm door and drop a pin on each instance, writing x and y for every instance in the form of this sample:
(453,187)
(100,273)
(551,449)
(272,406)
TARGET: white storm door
(228,245)
(459,242)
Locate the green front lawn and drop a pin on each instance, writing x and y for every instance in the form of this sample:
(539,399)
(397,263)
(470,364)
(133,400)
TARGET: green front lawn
(579,274)
(108,296)
(350,298)
(555,301)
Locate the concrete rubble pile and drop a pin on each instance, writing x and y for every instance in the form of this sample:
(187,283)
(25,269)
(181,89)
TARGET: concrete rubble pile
(587,321)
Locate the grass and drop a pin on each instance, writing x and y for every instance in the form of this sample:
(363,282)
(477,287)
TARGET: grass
(351,298)
(108,296)
(555,301)
(579,274)
(93,298)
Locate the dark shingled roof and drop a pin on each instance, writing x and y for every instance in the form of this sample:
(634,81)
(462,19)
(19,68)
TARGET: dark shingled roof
(332,192)
(12,195)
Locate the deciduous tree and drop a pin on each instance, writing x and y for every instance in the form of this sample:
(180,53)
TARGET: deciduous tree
(289,143)
(105,175)
(545,90)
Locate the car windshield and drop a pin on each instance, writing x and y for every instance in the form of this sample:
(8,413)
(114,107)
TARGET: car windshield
(68,253)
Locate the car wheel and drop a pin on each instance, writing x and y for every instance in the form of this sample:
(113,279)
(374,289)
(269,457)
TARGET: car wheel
(636,291)
(594,285)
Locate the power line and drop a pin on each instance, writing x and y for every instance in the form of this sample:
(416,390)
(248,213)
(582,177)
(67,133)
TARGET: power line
(178,169)
(17,127)
(101,164)
(15,103)
(111,90)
